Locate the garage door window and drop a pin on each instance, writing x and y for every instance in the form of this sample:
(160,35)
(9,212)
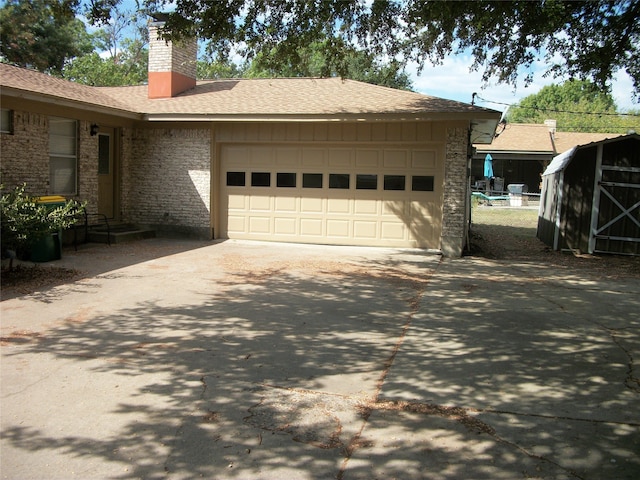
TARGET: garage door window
(286,180)
(366,182)
(422,183)
(236,179)
(311,180)
(394,182)
(339,180)
(260,179)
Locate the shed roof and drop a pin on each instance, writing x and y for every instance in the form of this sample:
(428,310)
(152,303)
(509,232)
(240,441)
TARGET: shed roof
(243,98)
(561,161)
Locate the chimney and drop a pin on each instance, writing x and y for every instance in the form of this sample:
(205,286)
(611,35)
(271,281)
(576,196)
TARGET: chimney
(172,65)
(551,125)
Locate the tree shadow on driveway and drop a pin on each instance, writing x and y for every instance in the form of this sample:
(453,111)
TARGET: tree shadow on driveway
(257,365)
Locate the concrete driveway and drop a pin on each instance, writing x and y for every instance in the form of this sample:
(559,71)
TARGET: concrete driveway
(177,359)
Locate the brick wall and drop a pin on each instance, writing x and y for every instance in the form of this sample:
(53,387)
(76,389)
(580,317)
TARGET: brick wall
(166,179)
(454,214)
(25,157)
(25,153)
(88,166)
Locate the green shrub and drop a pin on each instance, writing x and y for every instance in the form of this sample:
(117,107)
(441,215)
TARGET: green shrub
(25,220)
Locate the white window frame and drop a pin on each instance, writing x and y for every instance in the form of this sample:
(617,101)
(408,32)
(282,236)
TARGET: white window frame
(63,155)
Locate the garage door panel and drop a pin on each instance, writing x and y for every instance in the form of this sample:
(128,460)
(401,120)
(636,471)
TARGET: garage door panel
(260,225)
(311,227)
(396,159)
(366,207)
(311,205)
(238,202)
(423,159)
(285,225)
(305,209)
(261,155)
(424,209)
(393,230)
(260,202)
(314,157)
(286,204)
(287,156)
(365,229)
(338,228)
(367,158)
(340,157)
(236,155)
(396,208)
(338,205)
(237,224)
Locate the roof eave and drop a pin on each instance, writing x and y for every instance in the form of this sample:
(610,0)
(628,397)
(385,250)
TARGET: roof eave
(325,117)
(488,149)
(65,102)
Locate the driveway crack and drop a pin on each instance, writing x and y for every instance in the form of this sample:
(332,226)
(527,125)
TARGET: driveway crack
(419,287)
(180,428)
(631,381)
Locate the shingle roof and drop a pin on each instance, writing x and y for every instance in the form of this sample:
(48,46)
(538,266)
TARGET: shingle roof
(32,82)
(246,97)
(289,96)
(536,138)
(567,140)
(561,161)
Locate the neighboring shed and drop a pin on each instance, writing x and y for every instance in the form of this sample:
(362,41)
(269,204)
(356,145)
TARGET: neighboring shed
(590,199)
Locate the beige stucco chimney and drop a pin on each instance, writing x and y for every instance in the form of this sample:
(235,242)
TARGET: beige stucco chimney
(172,65)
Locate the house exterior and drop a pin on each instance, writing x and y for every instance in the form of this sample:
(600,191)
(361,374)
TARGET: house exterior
(590,198)
(305,160)
(522,151)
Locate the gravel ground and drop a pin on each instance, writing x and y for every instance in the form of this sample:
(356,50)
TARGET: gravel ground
(509,234)
(502,234)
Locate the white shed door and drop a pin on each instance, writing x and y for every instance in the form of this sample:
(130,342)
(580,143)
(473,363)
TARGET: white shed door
(342,195)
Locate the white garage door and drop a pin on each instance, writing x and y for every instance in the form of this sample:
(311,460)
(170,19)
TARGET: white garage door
(377,196)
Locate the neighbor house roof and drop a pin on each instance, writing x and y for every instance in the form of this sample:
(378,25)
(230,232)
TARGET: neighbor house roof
(536,138)
(245,98)
(561,161)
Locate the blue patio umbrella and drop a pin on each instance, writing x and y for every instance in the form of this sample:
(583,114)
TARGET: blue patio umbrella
(488,166)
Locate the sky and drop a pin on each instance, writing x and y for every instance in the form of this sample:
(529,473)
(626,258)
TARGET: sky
(454,81)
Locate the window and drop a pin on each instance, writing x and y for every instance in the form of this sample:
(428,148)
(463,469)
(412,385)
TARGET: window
(260,179)
(63,161)
(236,179)
(104,154)
(6,121)
(311,180)
(394,182)
(366,182)
(339,180)
(420,183)
(286,179)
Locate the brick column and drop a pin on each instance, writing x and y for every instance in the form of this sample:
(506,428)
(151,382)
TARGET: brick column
(455,193)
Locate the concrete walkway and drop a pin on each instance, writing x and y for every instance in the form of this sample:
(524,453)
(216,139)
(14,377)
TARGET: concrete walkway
(175,359)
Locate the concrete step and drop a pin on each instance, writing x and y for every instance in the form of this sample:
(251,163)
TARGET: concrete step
(119,234)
